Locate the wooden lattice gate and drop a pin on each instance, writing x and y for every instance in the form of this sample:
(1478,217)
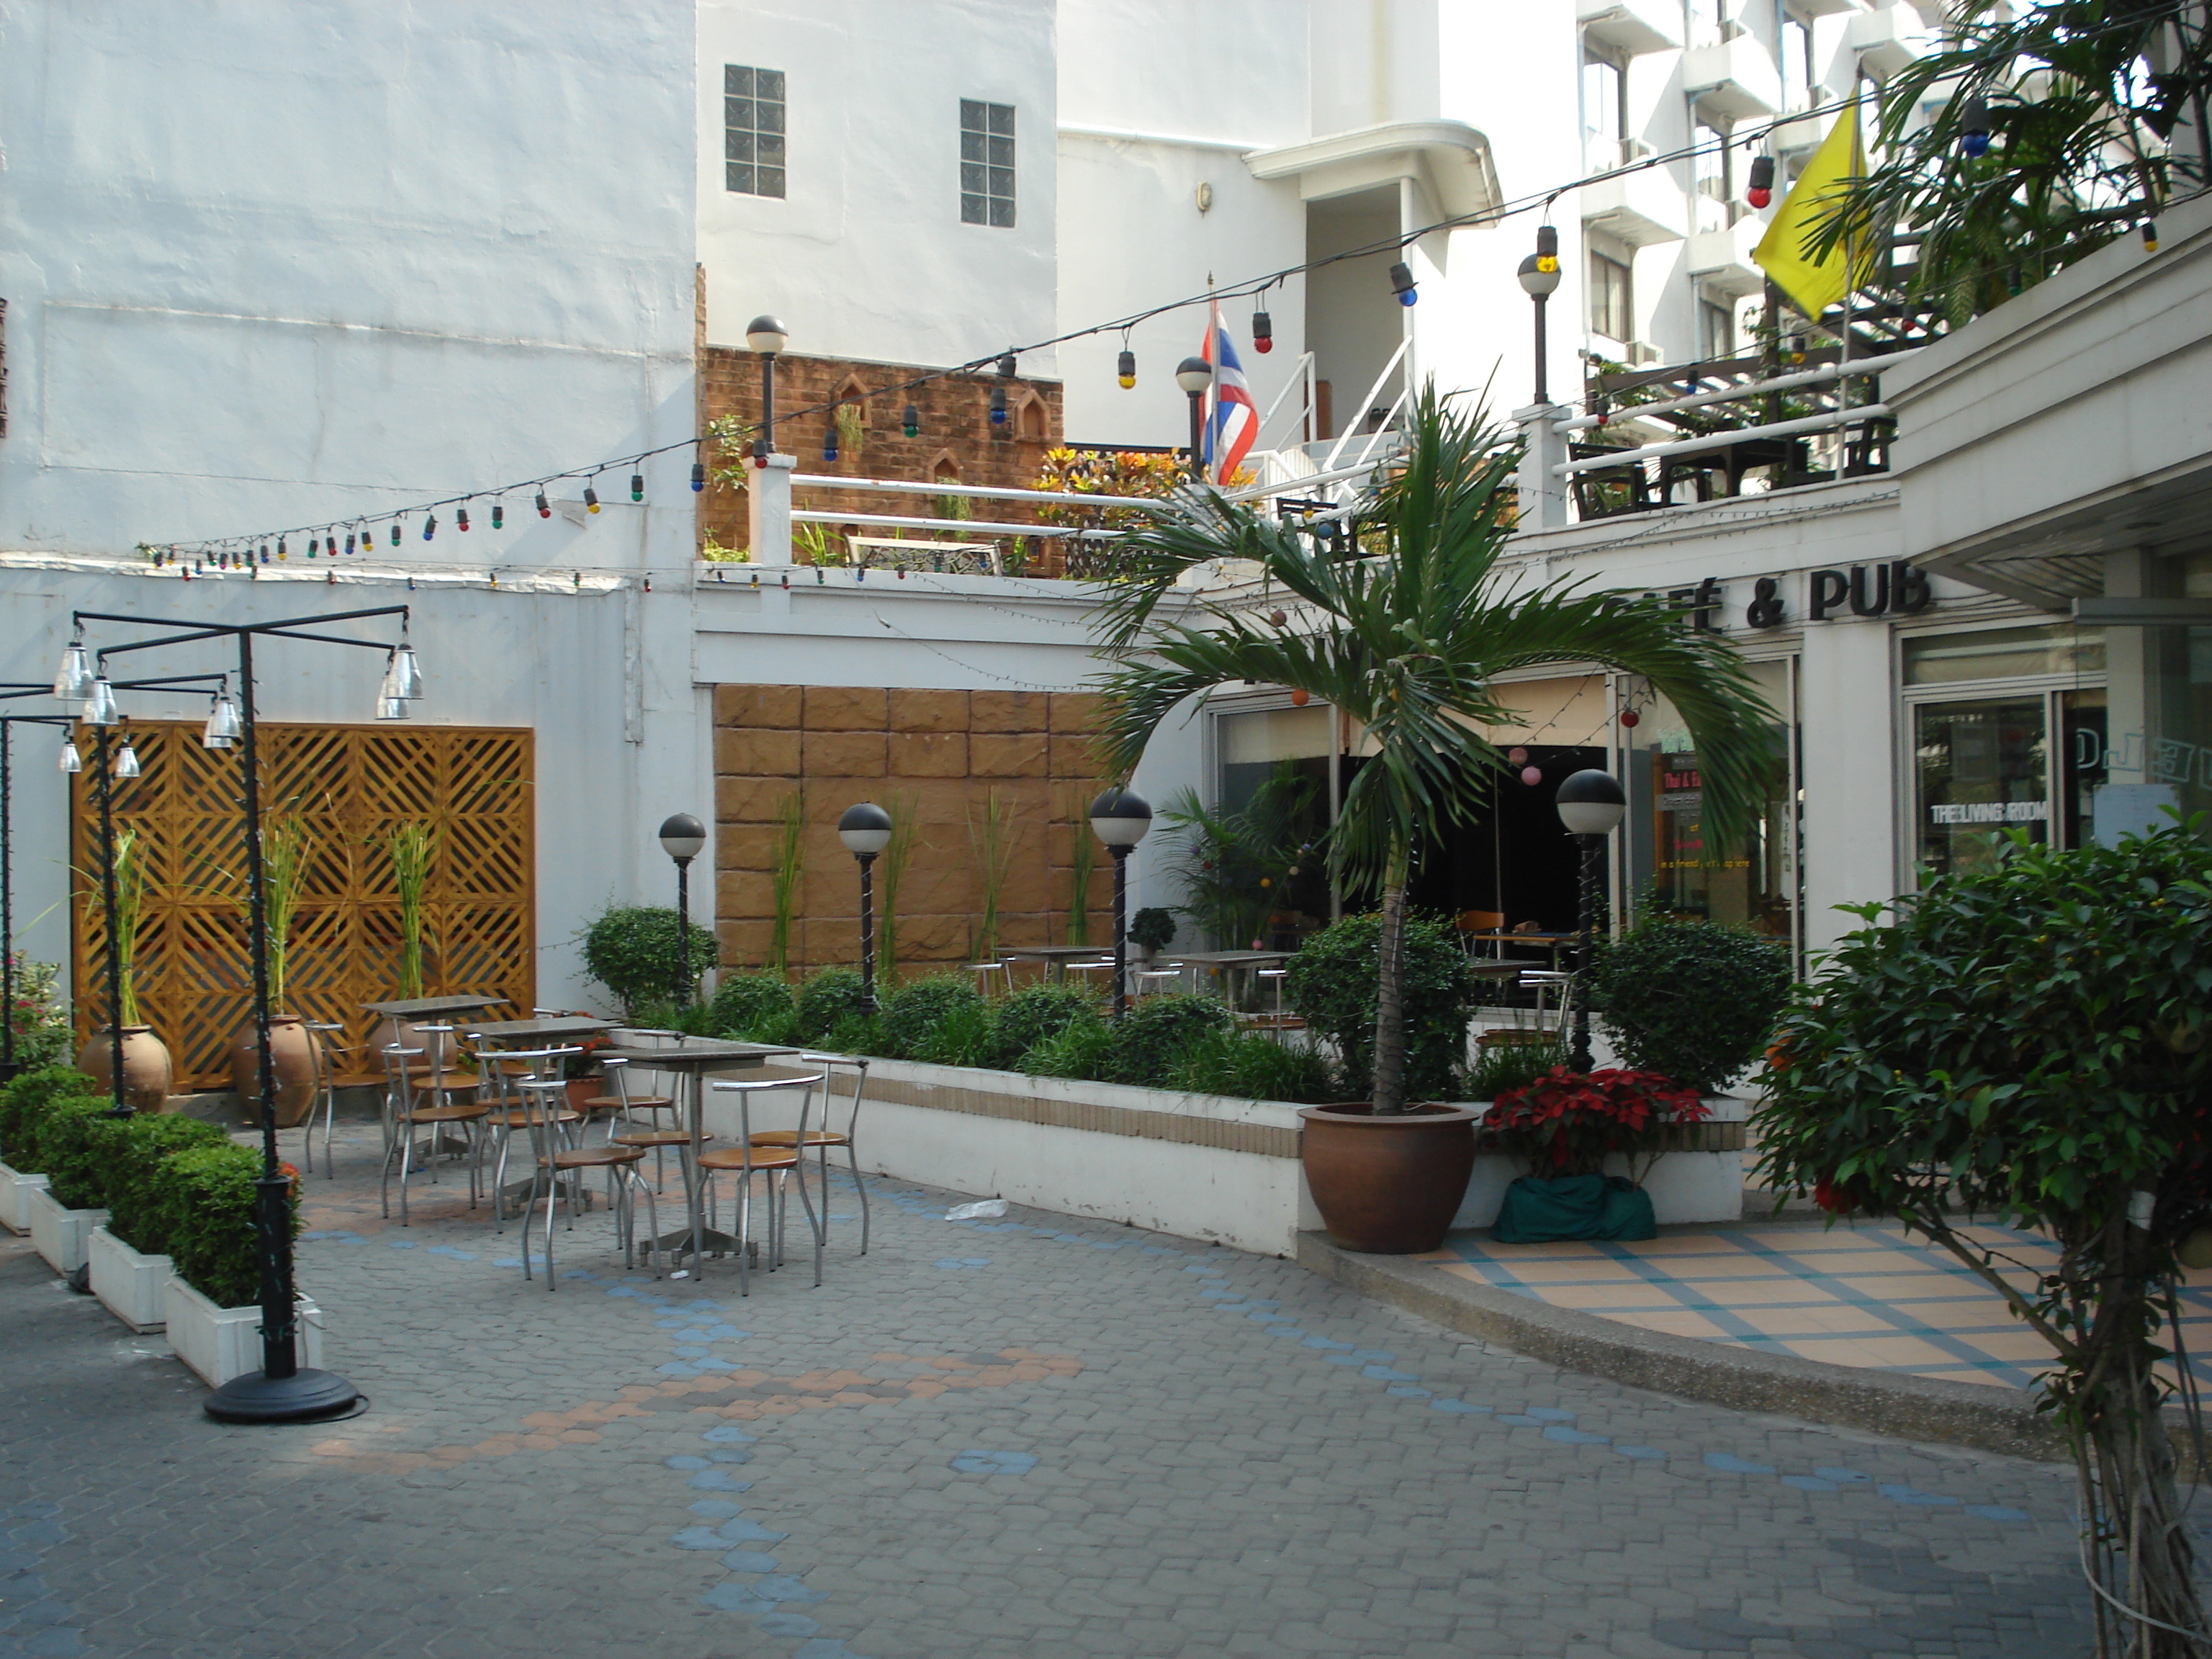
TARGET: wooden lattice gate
(349,787)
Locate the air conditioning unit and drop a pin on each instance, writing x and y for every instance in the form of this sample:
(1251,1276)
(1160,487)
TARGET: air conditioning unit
(1642,353)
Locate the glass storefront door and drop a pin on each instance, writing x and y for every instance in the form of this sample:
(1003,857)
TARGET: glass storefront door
(1983,765)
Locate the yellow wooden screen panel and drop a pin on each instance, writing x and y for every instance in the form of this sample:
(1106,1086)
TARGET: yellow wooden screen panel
(349,787)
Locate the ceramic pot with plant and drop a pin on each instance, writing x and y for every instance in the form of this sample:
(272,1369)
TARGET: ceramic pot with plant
(1151,931)
(293,1050)
(148,1070)
(1564,1127)
(1406,643)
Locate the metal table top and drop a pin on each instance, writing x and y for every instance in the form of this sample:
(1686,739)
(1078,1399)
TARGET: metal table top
(508,1031)
(1228,958)
(1053,952)
(696,1056)
(409,1008)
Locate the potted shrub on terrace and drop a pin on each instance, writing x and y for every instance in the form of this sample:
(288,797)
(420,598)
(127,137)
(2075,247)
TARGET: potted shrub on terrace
(633,951)
(1406,640)
(1565,1125)
(1694,1001)
(1150,930)
(2026,1044)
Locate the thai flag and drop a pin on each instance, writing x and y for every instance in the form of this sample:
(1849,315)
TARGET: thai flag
(1236,422)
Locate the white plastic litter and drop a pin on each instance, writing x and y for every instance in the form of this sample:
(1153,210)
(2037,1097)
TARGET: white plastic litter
(680,1273)
(977,1212)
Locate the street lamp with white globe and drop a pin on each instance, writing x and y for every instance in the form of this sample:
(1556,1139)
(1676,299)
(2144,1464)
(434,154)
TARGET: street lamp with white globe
(866,829)
(1591,805)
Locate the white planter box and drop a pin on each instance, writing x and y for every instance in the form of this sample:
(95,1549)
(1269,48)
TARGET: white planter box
(59,1234)
(1684,1186)
(130,1285)
(14,1184)
(221,1343)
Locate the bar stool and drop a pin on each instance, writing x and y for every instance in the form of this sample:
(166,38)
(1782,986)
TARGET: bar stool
(983,970)
(412,1112)
(825,1136)
(543,1101)
(1149,979)
(748,1158)
(1279,1022)
(656,1139)
(1541,980)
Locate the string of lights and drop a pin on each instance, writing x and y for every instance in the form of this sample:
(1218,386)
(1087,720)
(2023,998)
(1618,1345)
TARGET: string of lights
(362,531)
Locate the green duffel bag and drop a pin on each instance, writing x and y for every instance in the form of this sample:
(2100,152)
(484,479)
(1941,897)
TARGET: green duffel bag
(1573,1207)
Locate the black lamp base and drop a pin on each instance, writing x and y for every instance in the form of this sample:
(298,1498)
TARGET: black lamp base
(304,1397)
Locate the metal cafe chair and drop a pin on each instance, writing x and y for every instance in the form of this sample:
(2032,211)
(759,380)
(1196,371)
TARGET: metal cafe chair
(825,1136)
(544,1102)
(507,1112)
(655,1139)
(748,1157)
(411,1112)
(328,1081)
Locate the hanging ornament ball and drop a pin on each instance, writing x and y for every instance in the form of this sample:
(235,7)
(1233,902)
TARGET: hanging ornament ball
(1518,756)
(1279,618)
(1266,881)
(1300,698)
(1531,775)
(2196,1250)
(1629,718)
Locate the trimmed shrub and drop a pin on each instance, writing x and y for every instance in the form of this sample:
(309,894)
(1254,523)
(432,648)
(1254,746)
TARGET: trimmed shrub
(1336,979)
(79,1140)
(914,1012)
(1694,1001)
(203,1210)
(746,1003)
(832,995)
(632,949)
(137,1212)
(967,1036)
(1253,1067)
(1036,1012)
(24,1102)
(1150,1038)
(854,1034)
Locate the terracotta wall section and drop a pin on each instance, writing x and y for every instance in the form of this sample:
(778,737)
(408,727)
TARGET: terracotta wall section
(940,756)
(956,431)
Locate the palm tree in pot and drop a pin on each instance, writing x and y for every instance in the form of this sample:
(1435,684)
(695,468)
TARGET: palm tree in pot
(1407,637)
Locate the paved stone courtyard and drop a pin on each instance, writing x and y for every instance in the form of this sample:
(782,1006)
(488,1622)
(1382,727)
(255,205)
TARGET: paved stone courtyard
(996,1440)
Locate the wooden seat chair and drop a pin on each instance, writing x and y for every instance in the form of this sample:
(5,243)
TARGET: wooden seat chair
(543,1104)
(416,1109)
(825,1136)
(749,1157)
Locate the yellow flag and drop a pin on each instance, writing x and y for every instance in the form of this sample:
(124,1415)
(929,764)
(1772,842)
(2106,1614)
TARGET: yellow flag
(1816,284)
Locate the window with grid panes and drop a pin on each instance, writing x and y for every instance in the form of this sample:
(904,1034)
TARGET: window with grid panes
(1605,109)
(987,163)
(752,131)
(1609,305)
(1796,63)
(1716,332)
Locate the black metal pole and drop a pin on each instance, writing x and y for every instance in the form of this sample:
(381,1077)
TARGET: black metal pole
(867,929)
(768,402)
(1579,1056)
(1543,368)
(7,908)
(1197,421)
(683,932)
(122,1107)
(1120,927)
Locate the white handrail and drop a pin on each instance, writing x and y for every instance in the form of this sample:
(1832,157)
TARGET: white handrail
(934,487)
(1312,480)
(1366,402)
(1300,371)
(1384,431)
(802,515)
(1864,368)
(1722,440)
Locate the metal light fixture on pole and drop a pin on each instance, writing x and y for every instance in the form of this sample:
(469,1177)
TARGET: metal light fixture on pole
(766,336)
(1591,805)
(682,837)
(866,829)
(1540,279)
(1196,376)
(281,1391)
(1120,818)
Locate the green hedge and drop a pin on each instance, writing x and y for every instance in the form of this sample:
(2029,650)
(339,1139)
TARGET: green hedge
(137,1211)
(78,1139)
(203,1210)
(915,1013)
(23,1102)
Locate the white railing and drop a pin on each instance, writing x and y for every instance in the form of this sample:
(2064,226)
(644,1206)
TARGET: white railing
(1336,450)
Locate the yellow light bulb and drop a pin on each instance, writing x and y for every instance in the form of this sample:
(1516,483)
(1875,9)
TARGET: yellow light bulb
(1128,381)
(1546,263)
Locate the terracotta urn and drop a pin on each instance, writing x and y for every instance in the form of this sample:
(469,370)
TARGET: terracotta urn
(1388,1186)
(293,1050)
(147,1071)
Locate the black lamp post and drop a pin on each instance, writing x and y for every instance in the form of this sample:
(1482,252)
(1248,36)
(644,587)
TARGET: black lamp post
(1194,375)
(281,1391)
(1120,818)
(766,336)
(866,829)
(1591,805)
(1540,279)
(681,837)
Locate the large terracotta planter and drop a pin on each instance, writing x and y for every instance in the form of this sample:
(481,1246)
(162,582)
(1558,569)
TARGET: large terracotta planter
(146,1069)
(1388,1186)
(292,1051)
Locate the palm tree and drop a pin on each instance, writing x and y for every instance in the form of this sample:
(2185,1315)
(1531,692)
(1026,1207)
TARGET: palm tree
(1407,638)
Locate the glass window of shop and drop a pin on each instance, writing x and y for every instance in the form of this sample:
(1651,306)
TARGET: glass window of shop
(1275,800)
(2008,734)
(2158,757)
(1675,868)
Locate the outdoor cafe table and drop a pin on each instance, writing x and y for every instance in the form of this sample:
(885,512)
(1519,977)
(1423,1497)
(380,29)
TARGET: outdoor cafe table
(549,1033)
(691,1061)
(1225,961)
(417,1007)
(1056,957)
